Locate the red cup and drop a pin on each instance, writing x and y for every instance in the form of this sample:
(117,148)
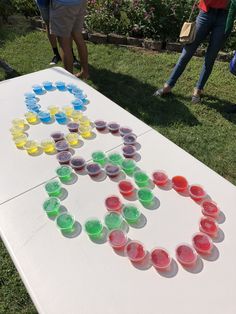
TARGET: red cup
(126,187)
(196,192)
(186,255)
(210,209)
(135,251)
(209,226)
(161,259)
(179,183)
(113,203)
(160,178)
(202,243)
(117,239)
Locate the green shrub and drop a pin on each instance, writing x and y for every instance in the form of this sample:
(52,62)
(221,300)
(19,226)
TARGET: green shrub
(26,7)
(6,9)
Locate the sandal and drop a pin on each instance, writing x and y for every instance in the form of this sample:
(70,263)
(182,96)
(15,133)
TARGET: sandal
(160,92)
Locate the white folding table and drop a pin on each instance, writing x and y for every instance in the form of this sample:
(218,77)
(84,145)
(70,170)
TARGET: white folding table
(76,275)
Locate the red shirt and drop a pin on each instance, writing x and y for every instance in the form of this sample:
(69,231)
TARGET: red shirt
(205,5)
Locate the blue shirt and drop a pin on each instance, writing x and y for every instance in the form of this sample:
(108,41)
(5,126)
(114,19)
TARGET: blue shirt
(43,3)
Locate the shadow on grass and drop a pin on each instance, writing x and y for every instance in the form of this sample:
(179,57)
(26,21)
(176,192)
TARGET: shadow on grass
(136,97)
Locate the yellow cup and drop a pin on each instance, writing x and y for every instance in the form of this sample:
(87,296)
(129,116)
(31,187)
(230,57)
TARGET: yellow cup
(68,110)
(19,123)
(48,146)
(31,147)
(85,131)
(16,131)
(53,109)
(72,139)
(76,115)
(20,140)
(31,117)
(84,121)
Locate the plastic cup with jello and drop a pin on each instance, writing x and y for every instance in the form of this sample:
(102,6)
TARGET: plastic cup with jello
(64,173)
(29,95)
(209,226)
(35,108)
(68,110)
(202,243)
(160,177)
(61,117)
(93,228)
(99,157)
(131,213)
(130,139)
(48,86)
(160,259)
(113,203)
(48,146)
(53,109)
(117,239)
(38,89)
(31,117)
(76,116)
(20,123)
(100,125)
(129,166)
(135,251)
(85,131)
(93,169)
(52,206)
(20,140)
(62,146)
(126,188)
(113,220)
(84,121)
(113,127)
(141,178)
(77,163)
(44,116)
(66,223)
(129,151)
(70,87)
(179,183)
(72,139)
(16,131)
(145,196)
(57,136)
(31,147)
(115,158)
(64,157)
(196,192)
(77,104)
(210,209)
(186,255)
(112,171)
(124,130)
(61,86)
(73,126)
(53,188)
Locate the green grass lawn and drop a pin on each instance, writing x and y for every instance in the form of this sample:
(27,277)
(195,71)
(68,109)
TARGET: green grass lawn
(129,78)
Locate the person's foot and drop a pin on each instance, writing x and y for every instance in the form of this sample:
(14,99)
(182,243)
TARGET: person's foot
(55,60)
(82,75)
(76,63)
(163,91)
(196,97)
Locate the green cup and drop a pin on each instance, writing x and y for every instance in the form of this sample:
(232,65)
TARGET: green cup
(93,228)
(115,159)
(141,178)
(52,206)
(65,223)
(145,196)
(99,157)
(131,213)
(53,188)
(129,166)
(64,173)
(113,220)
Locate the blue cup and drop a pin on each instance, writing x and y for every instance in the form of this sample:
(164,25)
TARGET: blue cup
(30,101)
(48,85)
(61,86)
(70,87)
(44,116)
(38,89)
(85,101)
(29,96)
(61,117)
(77,104)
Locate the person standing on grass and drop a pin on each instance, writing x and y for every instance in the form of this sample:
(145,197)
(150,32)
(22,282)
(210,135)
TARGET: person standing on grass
(212,20)
(66,22)
(44,9)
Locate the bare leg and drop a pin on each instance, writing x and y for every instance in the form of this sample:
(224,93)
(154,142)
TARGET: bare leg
(67,56)
(52,38)
(83,54)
